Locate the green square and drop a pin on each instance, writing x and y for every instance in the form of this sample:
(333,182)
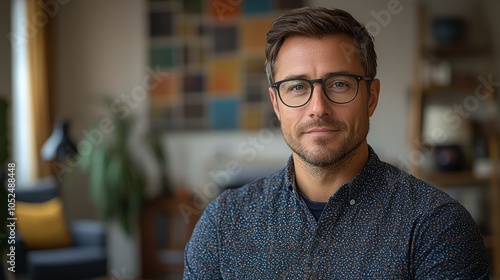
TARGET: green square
(193,7)
(164,57)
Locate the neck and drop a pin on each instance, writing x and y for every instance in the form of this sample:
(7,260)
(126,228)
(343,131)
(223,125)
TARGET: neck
(320,183)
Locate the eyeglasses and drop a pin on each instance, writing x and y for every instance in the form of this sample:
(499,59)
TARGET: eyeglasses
(338,88)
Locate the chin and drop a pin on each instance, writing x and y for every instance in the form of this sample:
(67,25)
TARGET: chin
(327,152)
(320,161)
(322,158)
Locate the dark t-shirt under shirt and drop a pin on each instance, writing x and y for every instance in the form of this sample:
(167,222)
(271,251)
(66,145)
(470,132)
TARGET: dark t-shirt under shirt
(315,207)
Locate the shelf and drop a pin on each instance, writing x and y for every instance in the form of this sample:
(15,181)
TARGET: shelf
(433,63)
(458,50)
(452,89)
(165,233)
(453,178)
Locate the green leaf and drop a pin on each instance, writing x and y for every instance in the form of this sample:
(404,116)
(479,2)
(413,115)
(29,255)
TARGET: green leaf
(113,180)
(86,160)
(117,181)
(97,186)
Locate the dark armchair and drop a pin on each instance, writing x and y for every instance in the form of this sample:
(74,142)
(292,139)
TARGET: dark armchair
(84,258)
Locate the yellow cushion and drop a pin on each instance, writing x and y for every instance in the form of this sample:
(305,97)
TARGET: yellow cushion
(42,225)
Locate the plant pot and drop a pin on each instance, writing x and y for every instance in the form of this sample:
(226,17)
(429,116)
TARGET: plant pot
(123,251)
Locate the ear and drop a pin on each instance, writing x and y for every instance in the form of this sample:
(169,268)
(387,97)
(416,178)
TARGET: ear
(273,96)
(374,94)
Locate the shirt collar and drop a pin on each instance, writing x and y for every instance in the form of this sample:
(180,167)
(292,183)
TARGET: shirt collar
(370,176)
(369,173)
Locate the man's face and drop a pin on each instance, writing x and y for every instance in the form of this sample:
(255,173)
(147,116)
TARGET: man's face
(322,132)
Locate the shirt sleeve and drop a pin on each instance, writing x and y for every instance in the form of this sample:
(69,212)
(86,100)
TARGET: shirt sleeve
(201,257)
(449,245)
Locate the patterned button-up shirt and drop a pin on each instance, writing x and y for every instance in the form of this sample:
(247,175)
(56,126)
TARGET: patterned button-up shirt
(383,224)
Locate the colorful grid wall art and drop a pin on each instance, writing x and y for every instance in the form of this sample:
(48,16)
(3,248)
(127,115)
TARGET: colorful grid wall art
(213,55)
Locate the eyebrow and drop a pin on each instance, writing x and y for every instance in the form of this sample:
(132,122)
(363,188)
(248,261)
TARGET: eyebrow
(329,74)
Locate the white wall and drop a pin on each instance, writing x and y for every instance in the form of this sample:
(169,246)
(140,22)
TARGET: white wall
(199,159)
(101,50)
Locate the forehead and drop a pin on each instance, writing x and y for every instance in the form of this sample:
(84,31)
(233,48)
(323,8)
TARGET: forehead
(316,57)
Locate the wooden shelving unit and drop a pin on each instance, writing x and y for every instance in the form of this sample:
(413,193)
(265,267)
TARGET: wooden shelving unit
(455,178)
(422,95)
(166,226)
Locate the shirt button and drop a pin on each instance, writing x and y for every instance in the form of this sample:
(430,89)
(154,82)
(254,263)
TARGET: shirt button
(352,202)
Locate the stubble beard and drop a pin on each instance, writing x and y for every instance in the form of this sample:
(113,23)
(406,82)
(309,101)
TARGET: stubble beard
(319,155)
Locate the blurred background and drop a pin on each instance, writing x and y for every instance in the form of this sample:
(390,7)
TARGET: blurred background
(138,113)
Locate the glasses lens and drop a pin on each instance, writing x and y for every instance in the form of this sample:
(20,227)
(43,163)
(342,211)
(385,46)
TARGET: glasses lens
(295,92)
(341,89)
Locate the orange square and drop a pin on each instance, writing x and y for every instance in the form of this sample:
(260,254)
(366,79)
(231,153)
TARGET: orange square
(251,118)
(225,9)
(254,34)
(165,89)
(224,76)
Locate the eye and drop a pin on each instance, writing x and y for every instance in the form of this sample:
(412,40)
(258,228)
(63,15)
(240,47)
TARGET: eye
(295,87)
(340,84)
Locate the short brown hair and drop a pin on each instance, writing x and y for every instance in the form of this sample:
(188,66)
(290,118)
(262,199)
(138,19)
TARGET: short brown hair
(319,22)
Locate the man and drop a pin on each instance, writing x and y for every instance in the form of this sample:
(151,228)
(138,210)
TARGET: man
(335,211)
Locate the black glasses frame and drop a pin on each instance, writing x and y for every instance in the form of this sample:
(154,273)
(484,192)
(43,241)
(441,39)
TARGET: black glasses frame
(322,82)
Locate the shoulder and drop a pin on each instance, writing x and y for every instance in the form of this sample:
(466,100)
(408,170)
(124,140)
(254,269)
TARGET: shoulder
(250,197)
(441,225)
(415,189)
(400,188)
(410,196)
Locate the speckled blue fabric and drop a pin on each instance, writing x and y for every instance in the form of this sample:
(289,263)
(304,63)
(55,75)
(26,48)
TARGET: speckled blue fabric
(383,224)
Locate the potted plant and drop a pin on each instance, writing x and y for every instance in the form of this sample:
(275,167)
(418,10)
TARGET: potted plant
(117,178)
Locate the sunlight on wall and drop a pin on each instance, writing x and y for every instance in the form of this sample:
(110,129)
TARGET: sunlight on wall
(22,134)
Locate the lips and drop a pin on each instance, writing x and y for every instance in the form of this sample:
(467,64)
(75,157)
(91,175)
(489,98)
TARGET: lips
(321,131)
(321,127)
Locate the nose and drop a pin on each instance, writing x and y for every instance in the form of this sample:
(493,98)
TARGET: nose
(319,105)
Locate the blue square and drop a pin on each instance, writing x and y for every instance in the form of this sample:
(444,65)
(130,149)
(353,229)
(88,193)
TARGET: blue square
(257,7)
(224,114)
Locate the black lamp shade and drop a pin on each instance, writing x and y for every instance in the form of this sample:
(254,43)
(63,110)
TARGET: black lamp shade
(59,144)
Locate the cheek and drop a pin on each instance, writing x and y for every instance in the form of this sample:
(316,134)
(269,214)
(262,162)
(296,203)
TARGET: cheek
(361,119)
(289,118)
(354,117)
